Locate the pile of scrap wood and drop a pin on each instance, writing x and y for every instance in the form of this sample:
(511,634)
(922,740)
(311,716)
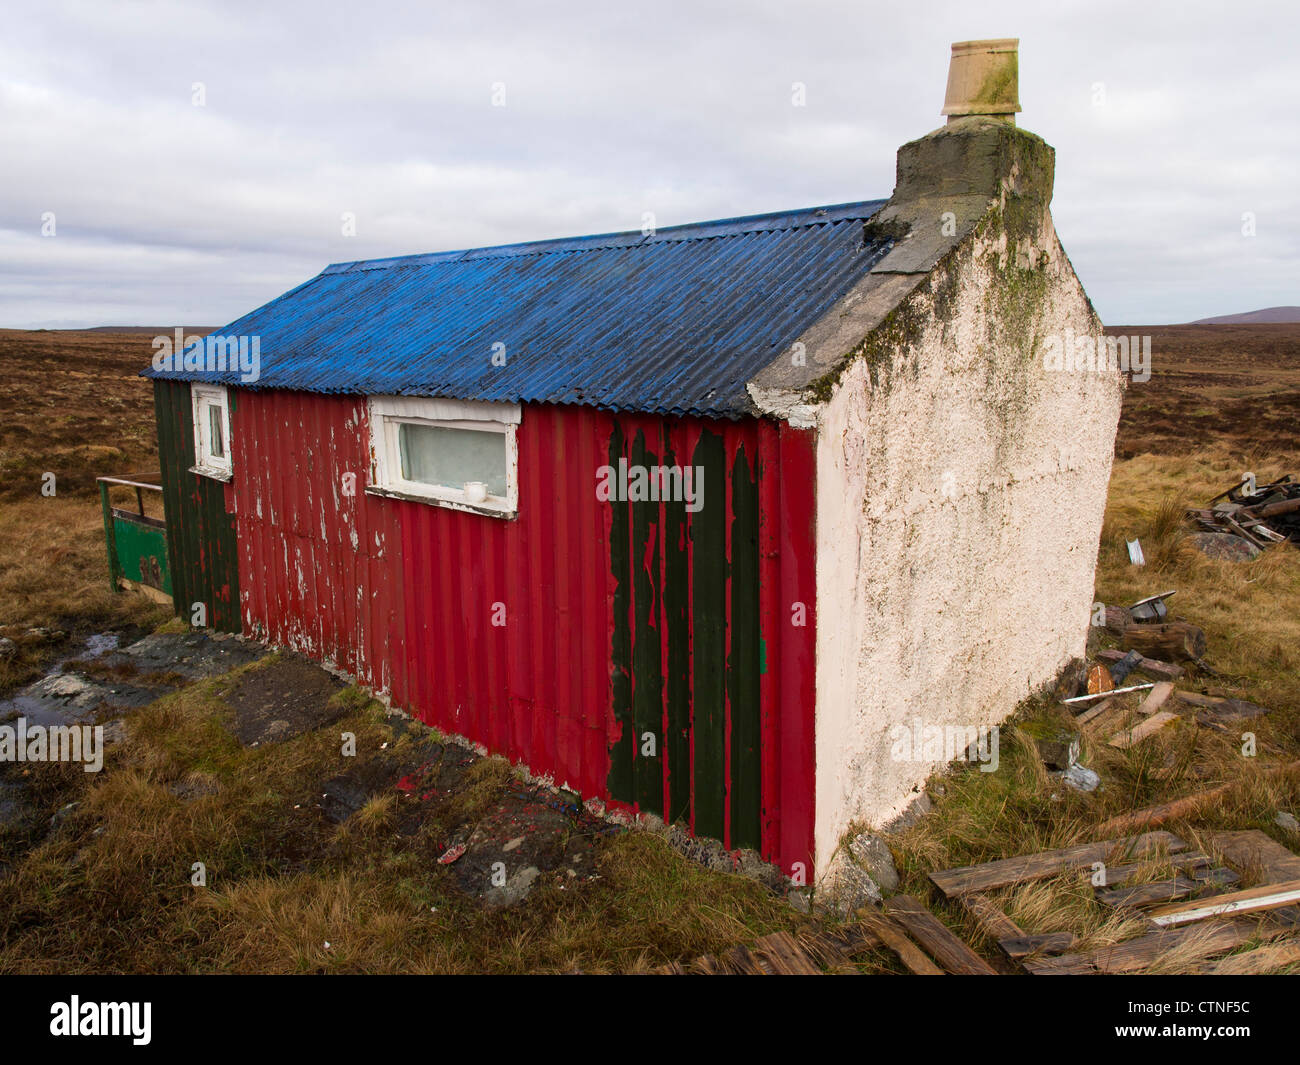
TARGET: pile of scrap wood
(1134,691)
(1191,905)
(1267,515)
(905,927)
(784,954)
(1196,912)
(1130,713)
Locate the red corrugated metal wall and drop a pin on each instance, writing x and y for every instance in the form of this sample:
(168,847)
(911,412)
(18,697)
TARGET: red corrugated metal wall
(505,631)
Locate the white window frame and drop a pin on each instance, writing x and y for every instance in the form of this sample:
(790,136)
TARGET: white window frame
(388,413)
(206,464)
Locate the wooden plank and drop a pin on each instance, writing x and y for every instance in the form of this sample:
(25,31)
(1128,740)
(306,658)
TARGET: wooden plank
(1156,697)
(1116,717)
(1142,952)
(1177,887)
(1042,943)
(783,955)
(740,961)
(1217,710)
(1190,862)
(1064,965)
(1222,877)
(892,936)
(991,920)
(1127,738)
(1095,711)
(1254,851)
(988,876)
(1176,641)
(1264,897)
(1190,806)
(945,947)
(1254,962)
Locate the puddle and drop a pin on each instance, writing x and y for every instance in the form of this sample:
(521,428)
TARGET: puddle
(69,695)
(98,644)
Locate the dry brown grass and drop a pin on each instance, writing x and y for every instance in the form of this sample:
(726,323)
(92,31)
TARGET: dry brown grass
(75,406)
(54,575)
(110,890)
(1253,630)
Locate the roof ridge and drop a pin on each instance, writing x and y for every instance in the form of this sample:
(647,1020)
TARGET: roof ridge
(773,221)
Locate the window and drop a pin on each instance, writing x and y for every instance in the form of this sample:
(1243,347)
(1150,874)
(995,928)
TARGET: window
(211,431)
(451,453)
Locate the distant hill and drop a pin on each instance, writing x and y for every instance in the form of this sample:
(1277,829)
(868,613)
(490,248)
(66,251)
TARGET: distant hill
(152,330)
(1267,315)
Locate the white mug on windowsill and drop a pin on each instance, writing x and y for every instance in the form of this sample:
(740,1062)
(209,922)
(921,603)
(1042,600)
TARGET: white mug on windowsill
(475,491)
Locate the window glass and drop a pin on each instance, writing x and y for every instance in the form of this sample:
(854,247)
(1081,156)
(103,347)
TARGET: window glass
(448,458)
(216,435)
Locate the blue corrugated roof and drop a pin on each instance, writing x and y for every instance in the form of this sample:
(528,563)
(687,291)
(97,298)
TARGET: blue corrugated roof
(674,322)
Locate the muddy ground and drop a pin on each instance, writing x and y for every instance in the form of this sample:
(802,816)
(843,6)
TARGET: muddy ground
(497,856)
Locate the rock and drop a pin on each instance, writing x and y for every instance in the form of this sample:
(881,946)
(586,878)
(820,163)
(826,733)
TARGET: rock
(1060,751)
(1224,546)
(516,889)
(1287,821)
(7,649)
(62,814)
(1057,747)
(917,809)
(872,853)
(44,634)
(800,899)
(1080,778)
(754,867)
(277,730)
(845,888)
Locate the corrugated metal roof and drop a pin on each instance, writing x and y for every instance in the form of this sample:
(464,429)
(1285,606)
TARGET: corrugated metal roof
(674,322)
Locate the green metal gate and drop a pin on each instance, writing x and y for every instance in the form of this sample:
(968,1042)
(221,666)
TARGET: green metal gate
(136,541)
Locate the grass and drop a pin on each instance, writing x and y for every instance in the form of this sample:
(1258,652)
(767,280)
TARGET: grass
(110,890)
(286,891)
(1253,631)
(54,577)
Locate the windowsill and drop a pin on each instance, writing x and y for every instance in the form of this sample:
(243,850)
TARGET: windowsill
(216,475)
(437,501)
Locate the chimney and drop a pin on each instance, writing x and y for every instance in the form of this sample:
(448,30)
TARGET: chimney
(983,79)
(979,159)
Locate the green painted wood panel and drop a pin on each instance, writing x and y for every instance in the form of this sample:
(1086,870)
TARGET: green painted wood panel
(647,649)
(709,624)
(743,665)
(142,553)
(201,541)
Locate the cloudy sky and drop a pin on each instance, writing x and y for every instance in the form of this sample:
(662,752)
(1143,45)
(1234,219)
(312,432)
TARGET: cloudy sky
(194,160)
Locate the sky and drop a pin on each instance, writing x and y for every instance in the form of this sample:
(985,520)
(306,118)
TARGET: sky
(182,163)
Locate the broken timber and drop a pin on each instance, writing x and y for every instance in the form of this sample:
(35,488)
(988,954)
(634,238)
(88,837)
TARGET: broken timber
(1264,897)
(1128,737)
(934,936)
(1135,955)
(988,876)
(1185,807)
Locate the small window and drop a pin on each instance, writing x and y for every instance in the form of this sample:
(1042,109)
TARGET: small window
(211,432)
(450,453)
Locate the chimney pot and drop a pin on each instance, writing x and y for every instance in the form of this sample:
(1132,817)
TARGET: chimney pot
(983,79)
